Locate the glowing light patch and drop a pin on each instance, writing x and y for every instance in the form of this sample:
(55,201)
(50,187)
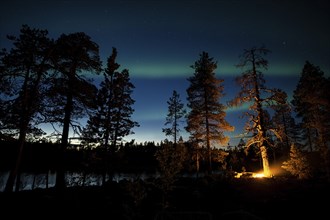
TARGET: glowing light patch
(170,70)
(176,70)
(258,175)
(249,175)
(245,106)
(160,71)
(283,70)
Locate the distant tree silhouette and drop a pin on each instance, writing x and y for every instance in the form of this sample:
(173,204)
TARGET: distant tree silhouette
(23,73)
(112,119)
(241,144)
(176,111)
(311,103)
(253,91)
(71,92)
(206,120)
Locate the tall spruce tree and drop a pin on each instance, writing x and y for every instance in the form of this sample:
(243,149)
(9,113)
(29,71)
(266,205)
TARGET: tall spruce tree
(206,120)
(112,121)
(175,113)
(311,103)
(254,92)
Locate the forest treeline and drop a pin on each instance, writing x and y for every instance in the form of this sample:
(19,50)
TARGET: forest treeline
(50,81)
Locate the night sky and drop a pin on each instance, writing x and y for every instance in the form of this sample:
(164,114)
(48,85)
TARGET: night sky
(158,41)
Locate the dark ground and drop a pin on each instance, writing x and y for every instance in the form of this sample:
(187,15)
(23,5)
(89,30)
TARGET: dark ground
(206,198)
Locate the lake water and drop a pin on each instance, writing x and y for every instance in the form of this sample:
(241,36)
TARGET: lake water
(31,181)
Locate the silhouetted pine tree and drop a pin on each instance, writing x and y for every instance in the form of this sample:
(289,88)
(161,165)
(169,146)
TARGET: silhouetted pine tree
(254,92)
(71,94)
(23,74)
(311,103)
(112,119)
(206,121)
(176,112)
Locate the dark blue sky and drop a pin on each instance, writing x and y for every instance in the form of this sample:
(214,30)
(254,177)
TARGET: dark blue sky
(158,41)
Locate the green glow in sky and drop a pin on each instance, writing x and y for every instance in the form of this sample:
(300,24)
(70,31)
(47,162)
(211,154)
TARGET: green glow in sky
(175,70)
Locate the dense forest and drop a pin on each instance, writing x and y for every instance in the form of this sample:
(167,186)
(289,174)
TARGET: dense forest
(50,81)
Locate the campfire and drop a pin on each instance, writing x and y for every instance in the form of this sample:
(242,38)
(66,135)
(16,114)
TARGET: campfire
(249,175)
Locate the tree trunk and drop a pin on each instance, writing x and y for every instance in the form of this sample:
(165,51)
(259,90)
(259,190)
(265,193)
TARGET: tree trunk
(47,179)
(309,135)
(34,181)
(197,162)
(265,162)
(60,173)
(14,172)
(260,122)
(27,106)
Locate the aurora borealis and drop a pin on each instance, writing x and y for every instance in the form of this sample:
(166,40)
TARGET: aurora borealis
(157,41)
